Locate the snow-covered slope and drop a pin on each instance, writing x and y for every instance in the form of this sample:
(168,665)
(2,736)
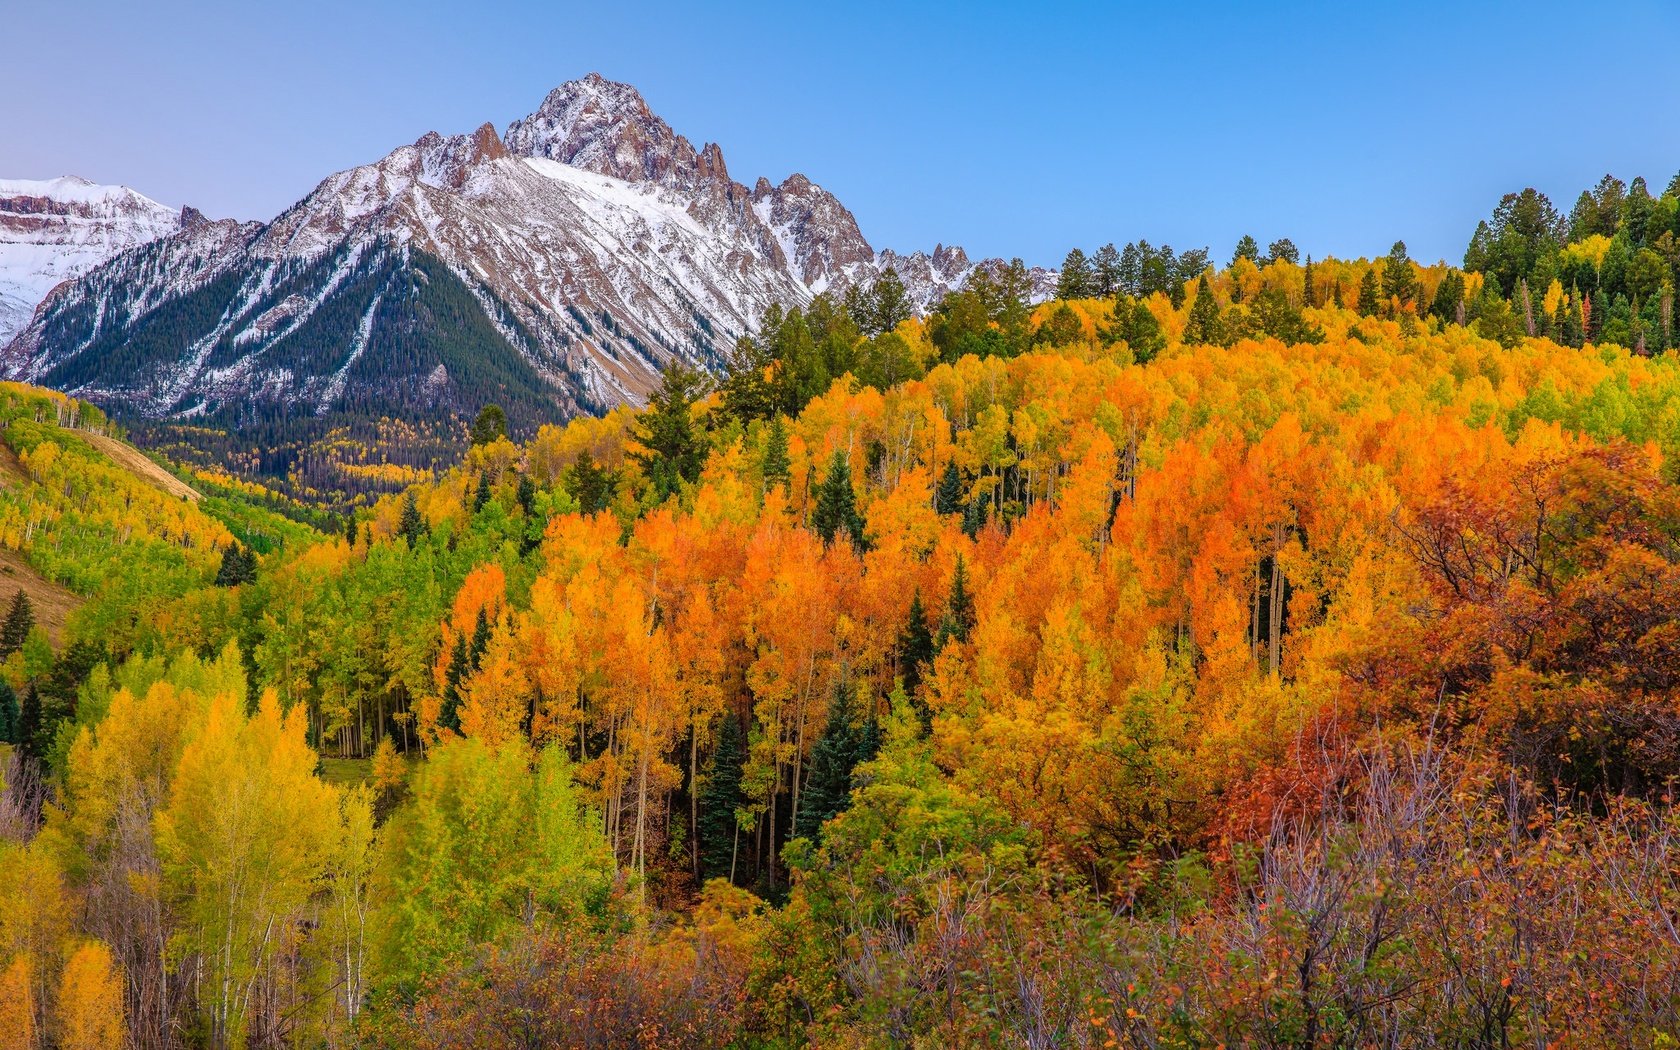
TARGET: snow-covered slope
(53,230)
(554,269)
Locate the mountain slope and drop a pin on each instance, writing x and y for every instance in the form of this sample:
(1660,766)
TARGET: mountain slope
(55,230)
(555,269)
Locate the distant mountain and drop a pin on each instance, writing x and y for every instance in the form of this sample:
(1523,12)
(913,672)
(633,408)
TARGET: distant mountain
(554,269)
(54,230)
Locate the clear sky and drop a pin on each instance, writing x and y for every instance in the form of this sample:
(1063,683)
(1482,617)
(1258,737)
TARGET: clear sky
(1009,128)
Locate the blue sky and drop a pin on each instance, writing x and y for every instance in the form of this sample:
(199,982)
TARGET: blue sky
(1008,128)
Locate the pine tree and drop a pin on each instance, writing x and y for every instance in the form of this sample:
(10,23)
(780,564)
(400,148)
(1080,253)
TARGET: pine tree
(915,652)
(1247,248)
(836,509)
(9,713)
(671,451)
(1369,303)
(490,425)
(20,619)
(889,303)
(411,526)
(1397,283)
(948,498)
(1283,250)
(974,516)
(589,486)
(720,798)
(1205,324)
(350,529)
(482,495)
(238,566)
(481,637)
(526,496)
(959,616)
(1077,280)
(777,468)
(1106,270)
(828,781)
(460,665)
(30,734)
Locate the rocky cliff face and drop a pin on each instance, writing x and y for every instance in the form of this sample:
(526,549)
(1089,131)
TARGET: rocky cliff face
(575,255)
(55,230)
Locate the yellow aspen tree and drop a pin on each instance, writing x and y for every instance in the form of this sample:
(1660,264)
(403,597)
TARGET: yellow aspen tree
(90,1000)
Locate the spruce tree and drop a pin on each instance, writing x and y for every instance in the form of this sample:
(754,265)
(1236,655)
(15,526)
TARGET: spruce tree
(1077,279)
(9,713)
(1204,324)
(20,619)
(410,526)
(828,780)
(1369,303)
(482,495)
(350,529)
(974,516)
(1308,296)
(460,665)
(238,566)
(526,496)
(948,498)
(836,509)
(490,425)
(671,451)
(889,303)
(720,798)
(589,486)
(1106,271)
(915,647)
(481,637)
(1247,248)
(776,467)
(30,734)
(1397,282)
(959,616)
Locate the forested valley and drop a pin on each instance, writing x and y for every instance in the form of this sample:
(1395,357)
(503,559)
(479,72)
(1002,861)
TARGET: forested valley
(1275,654)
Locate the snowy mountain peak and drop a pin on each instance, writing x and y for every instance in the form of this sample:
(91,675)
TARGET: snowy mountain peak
(54,230)
(606,127)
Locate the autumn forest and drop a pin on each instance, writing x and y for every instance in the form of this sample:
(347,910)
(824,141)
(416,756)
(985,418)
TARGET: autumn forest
(1276,652)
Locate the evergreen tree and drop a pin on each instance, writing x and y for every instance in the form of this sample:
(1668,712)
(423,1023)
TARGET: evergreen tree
(671,453)
(915,649)
(947,499)
(1398,282)
(30,734)
(482,495)
(411,526)
(886,304)
(1369,303)
(959,616)
(1205,324)
(1106,269)
(490,425)
(1283,250)
(1308,296)
(1135,323)
(589,486)
(20,618)
(974,516)
(480,638)
(460,665)
(828,781)
(238,566)
(836,509)
(1247,248)
(776,467)
(350,529)
(526,496)
(9,713)
(1077,279)
(1449,297)
(720,798)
